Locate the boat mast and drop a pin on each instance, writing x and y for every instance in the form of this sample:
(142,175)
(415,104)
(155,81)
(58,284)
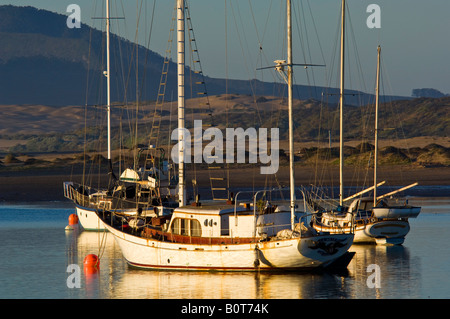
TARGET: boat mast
(108,80)
(377,96)
(291,125)
(341,111)
(181,63)
(108,88)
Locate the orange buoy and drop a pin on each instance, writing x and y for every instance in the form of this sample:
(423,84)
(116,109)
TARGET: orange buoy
(91,261)
(73,219)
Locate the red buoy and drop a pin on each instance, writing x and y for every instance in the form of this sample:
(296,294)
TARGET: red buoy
(91,260)
(73,219)
(90,271)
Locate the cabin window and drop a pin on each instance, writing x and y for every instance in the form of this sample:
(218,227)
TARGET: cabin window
(176,226)
(186,227)
(195,227)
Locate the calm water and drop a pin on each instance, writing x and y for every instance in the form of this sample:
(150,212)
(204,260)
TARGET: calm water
(36,251)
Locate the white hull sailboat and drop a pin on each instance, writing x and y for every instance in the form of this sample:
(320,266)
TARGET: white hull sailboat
(371,219)
(89,219)
(226,236)
(371,225)
(148,191)
(195,238)
(145,200)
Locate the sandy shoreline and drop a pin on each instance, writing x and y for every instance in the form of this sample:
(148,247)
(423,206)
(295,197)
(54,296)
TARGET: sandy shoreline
(42,185)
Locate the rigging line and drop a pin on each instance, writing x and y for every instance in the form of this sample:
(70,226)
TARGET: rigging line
(194,49)
(195,59)
(316,166)
(125,79)
(136,40)
(315,30)
(120,60)
(303,10)
(154,131)
(226,84)
(355,48)
(242,49)
(130,67)
(398,121)
(332,119)
(147,52)
(99,77)
(278,87)
(239,33)
(267,21)
(254,23)
(296,13)
(308,46)
(83,181)
(329,76)
(260,39)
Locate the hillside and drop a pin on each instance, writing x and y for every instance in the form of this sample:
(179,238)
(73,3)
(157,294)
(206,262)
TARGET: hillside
(42,62)
(422,122)
(49,72)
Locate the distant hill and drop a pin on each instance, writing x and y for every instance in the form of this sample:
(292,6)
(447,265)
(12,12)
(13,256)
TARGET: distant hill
(44,62)
(314,119)
(61,128)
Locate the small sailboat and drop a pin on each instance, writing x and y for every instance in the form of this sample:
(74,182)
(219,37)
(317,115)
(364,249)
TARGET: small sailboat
(226,236)
(372,219)
(147,191)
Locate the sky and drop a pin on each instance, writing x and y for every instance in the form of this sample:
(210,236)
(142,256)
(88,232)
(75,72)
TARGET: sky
(235,37)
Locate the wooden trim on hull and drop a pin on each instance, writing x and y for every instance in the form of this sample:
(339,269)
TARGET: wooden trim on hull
(227,269)
(159,235)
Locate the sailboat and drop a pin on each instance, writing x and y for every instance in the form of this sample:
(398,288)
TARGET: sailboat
(147,191)
(226,236)
(372,219)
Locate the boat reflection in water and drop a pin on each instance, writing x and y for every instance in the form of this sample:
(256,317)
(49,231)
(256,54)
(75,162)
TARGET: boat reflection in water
(400,275)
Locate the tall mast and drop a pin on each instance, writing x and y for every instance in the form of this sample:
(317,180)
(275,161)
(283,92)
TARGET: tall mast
(377,92)
(341,111)
(181,63)
(108,80)
(291,125)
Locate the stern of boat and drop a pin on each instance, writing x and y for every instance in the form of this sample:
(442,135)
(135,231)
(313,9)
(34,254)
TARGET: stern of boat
(325,248)
(388,232)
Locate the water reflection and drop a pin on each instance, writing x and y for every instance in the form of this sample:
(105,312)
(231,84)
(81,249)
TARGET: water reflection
(199,285)
(399,273)
(400,277)
(95,284)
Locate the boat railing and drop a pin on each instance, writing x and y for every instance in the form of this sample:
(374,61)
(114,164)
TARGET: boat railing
(338,223)
(69,190)
(302,228)
(299,228)
(72,192)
